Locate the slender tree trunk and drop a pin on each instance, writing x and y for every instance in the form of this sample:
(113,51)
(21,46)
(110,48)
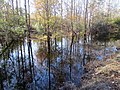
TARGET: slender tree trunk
(48,39)
(85,37)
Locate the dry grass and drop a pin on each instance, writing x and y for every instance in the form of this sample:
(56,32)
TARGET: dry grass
(102,75)
(113,66)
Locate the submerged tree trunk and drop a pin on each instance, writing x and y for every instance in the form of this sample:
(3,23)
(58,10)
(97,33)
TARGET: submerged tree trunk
(48,39)
(85,36)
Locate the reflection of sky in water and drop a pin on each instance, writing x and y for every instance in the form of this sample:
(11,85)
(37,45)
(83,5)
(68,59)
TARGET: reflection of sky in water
(64,43)
(81,50)
(99,57)
(56,65)
(41,68)
(108,51)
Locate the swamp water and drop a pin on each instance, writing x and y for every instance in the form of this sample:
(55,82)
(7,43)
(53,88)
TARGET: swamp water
(24,65)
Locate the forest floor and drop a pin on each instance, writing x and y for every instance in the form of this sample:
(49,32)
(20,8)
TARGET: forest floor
(99,75)
(102,75)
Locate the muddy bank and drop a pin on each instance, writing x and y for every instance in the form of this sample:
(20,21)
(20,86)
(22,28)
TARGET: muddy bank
(99,75)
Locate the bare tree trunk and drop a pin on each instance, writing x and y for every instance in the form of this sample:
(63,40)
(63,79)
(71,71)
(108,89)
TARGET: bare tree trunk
(85,36)
(48,39)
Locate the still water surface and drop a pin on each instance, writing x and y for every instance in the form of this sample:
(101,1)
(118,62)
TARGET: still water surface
(24,65)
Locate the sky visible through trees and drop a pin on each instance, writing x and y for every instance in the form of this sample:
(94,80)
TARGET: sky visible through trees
(115,3)
(59,44)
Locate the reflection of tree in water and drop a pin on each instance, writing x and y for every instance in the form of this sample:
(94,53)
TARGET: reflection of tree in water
(42,53)
(21,71)
(16,69)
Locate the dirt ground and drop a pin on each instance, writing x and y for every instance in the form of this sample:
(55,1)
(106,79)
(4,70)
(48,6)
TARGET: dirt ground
(101,75)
